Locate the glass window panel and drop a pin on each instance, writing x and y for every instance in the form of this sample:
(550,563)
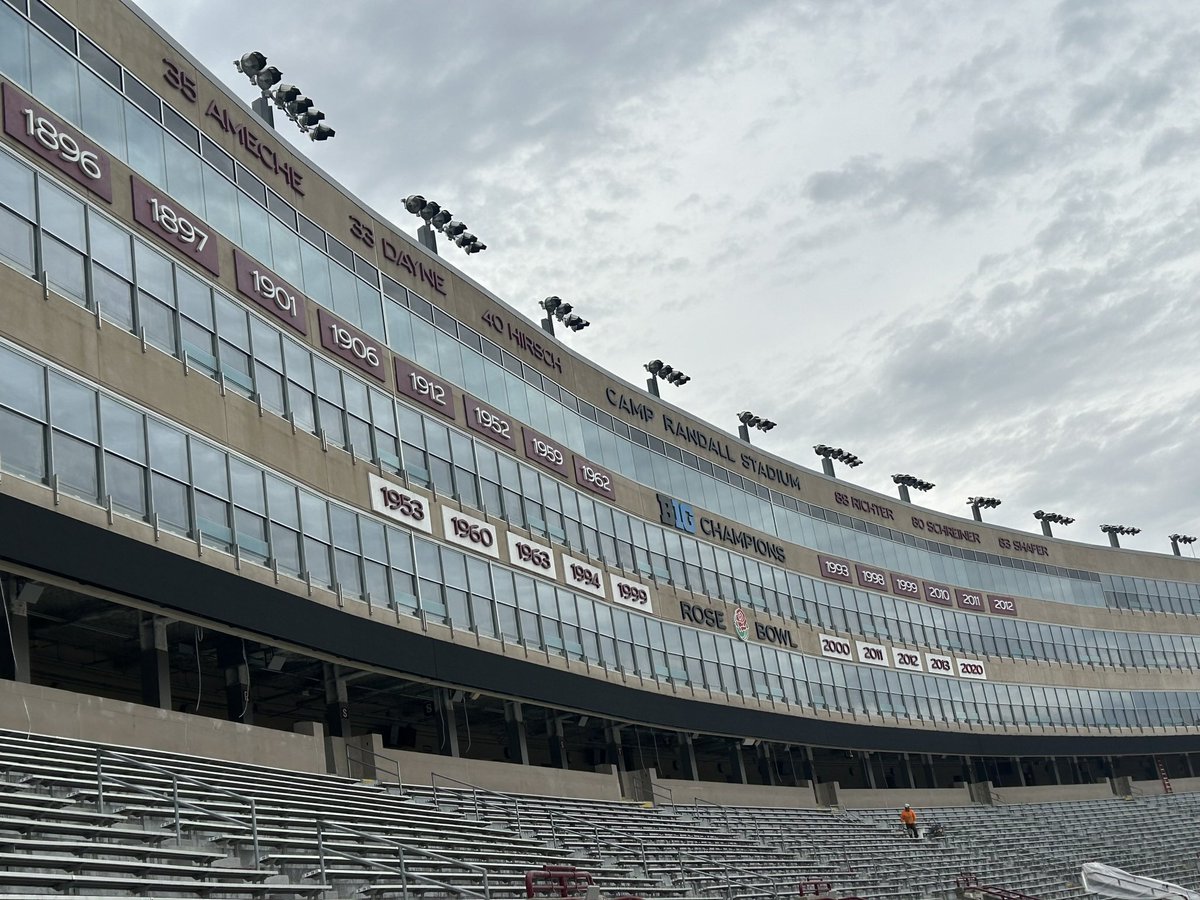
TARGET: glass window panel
(145,142)
(75,465)
(110,245)
(256,230)
(108,67)
(101,112)
(115,297)
(72,407)
(125,483)
(16,242)
(22,384)
(62,214)
(154,272)
(55,79)
(221,205)
(14,46)
(64,269)
(16,186)
(22,446)
(123,429)
(285,252)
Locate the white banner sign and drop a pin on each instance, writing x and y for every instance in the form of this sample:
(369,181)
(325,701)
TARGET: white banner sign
(872,654)
(836,647)
(530,555)
(583,576)
(971,668)
(399,504)
(469,532)
(939,665)
(909,660)
(631,593)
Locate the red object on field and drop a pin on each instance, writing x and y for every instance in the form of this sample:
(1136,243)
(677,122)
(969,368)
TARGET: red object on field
(557,881)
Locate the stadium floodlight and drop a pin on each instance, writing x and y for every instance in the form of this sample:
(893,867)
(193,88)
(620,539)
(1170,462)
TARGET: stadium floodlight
(250,64)
(285,94)
(1177,539)
(978,503)
(440,219)
(321,133)
(1113,530)
(749,420)
(904,482)
(286,97)
(1047,517)
(828,454)
(666,372)
(310,117)
(558,308)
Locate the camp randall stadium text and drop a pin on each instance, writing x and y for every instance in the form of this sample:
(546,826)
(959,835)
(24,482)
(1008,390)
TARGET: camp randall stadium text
(707,442)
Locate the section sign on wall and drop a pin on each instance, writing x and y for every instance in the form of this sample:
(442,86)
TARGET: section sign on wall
(583,575)
(872,654)
(939,665)
(837,569)
(174,225)
(530,555)
(399,504)
(490,422)
(631,593)
(270,292)
(57,142)
(836,647)
(469,532)
(971,668)
(425,387)
(346,342)
(910,660)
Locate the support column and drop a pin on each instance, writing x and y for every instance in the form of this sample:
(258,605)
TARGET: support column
(810,766)
(231,656)
(737,764)
(1054,770)
(1076,771)
(1020,771)
(447,723)
(865,757)
(765,769)
(558,750)
(337,701)
(14,652)
(687,759)
(930,772)
(912,782)
(1187,761)
(514,723)
(155,660)
(613,748)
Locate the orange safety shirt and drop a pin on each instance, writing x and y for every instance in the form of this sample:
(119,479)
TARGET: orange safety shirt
(908,816)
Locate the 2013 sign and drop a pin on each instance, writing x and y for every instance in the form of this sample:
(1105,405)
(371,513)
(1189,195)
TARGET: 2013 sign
(631,593)
(938,664)
(530,555)
(469,532)
(399,504)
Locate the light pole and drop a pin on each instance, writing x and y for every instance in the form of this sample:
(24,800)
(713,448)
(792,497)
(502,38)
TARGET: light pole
(1113,530)
(978,503)
(1177,539)
(829,454)
(557,308)
(749,420)
(1048,517)
(659,369)
(438,219)
(904,482)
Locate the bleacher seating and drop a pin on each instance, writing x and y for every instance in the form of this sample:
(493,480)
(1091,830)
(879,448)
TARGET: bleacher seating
(162,824)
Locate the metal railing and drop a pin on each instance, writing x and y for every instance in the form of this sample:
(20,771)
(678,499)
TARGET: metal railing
(177,803)
(324,828)
(368,757)
(657,791)
(476,790)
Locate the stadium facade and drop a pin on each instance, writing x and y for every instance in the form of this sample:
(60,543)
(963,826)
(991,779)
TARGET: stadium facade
(276,477)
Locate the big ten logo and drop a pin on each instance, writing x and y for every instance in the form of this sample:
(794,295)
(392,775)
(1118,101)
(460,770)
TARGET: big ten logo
(676,514)
(837,569)
(905,587)
(907,659)
(835,647)
(872,654)
(469,532)
(630,593)
(399,504)
(530,555)
(937,593)
(971,668)
(969,600)
(582,575)
(941,665)
(871,578)
(1005,606)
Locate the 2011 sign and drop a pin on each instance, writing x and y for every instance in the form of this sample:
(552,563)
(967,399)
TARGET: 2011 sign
(348,343)
(469,532)
(270,292)
(531,556)
(972,668)
(399,504)
(837,569)
(909,660)
(55,141)
(969,599)
(583,575)
(631,593)
(835,647)
(871,654)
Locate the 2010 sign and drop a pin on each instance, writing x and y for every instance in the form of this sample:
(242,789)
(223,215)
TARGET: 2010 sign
(583,575)
(546,452)
(399,504)
(595,479)
(871,654)
(972,668)
(425,387)
(936,593)
(348,343)
(530,555)
(835,647)
(174,225)
(469,532)
(909,660)
(270,292)
(57,142)
(490,422)
(631,593)
(837,569)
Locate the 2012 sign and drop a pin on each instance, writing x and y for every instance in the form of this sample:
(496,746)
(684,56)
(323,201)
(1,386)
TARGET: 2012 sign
(1004,606)
(469,532)
(631,593)
(399,504)
(909,660)
(530,555)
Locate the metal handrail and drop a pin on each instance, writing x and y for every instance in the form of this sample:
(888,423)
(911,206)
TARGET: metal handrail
(476,790)
(370,756)
(594,828)
(177,803)
(656,790)
(324,827)
(726,868)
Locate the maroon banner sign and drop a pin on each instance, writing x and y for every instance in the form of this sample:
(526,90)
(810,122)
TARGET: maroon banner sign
(546,452)
(425,387)
(57,142)
(270,292)
(347,342)
(490,422)
(1004,606)
(174,225)
(876,579)
(936,593)
(969,599)
(595,479)
(905,586)
(837,569)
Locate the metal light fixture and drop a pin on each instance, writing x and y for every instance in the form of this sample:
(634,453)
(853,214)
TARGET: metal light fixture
(557,308)
(749,420)
(439,219)
(829,454)
(1047,517)
(1177,539)
(287,97)
(1113,530)
(904,482)
(978,503)
(661,370)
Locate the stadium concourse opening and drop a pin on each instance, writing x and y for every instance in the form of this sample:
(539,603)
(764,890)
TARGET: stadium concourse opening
(70,640)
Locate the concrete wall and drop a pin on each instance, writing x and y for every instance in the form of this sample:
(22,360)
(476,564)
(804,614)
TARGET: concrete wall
(49,711)
(1049,793)
(417,768)
(864,798)
(1178,786)
(684,792)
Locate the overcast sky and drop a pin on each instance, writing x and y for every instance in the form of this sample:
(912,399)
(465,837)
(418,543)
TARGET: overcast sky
(959,239)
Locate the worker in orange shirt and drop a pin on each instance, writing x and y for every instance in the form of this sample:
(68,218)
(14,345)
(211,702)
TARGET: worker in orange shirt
(908,816)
